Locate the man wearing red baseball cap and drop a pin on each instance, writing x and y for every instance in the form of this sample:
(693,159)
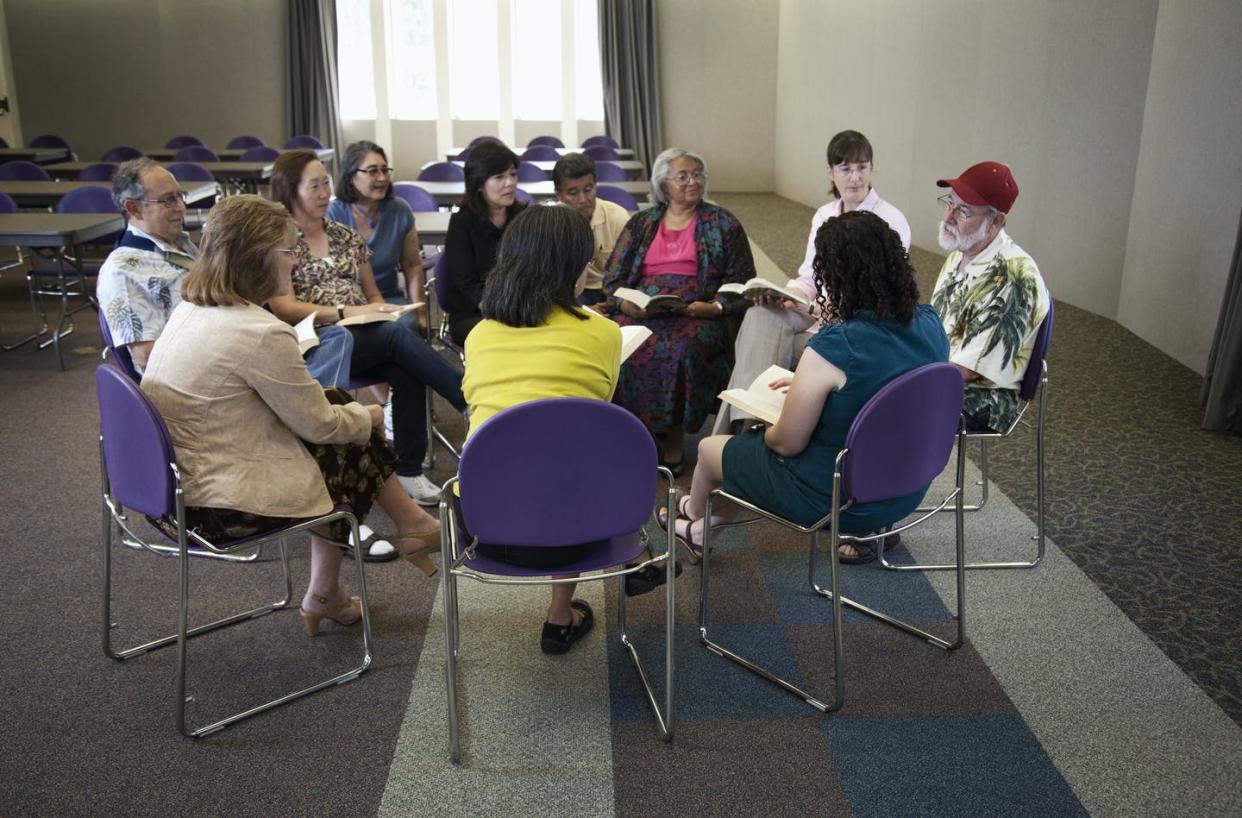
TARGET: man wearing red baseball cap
(989,294)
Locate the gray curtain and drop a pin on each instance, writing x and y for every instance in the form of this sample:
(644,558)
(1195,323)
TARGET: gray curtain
(1222,389)
(627,49)
(312,71)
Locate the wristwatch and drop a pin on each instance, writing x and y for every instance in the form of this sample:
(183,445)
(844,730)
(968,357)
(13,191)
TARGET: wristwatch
(340,312)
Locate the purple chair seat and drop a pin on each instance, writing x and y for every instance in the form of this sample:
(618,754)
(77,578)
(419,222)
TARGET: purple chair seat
(540,153)
(241,143)
(602,153)
(532,173)
(606,171)
(419,200)
(617,196)
(550,141)
(196,153)
(50,140)
(19,170)
(259,153)
(121,153)
(442,172)
(303,141)
(600,140)
(98,172)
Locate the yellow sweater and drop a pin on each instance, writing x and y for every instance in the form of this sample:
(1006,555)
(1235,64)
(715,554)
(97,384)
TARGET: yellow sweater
(565,357)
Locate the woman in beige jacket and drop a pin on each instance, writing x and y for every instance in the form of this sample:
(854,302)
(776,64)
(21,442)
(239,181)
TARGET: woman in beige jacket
(258,441)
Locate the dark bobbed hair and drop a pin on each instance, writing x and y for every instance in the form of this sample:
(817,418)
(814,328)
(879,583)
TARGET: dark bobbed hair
(487,159)
(571,166)
(541,255)
(848,146)
(287,175)
(350,165)
(860,264)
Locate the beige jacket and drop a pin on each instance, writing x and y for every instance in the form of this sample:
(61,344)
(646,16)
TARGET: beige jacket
(234,391)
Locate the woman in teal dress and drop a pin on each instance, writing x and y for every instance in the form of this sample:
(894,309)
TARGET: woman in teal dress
(877,331)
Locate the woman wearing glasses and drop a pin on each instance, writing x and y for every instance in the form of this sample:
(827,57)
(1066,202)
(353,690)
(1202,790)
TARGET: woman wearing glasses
(332,280)
(365,202)
(687,248)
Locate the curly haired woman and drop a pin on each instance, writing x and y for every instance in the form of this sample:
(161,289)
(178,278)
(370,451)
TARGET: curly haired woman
(876,331)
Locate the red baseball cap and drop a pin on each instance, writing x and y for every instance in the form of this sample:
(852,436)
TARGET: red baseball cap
(987,183)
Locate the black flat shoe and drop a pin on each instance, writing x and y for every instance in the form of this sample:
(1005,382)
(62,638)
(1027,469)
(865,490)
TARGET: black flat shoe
(648,579)
(559,639)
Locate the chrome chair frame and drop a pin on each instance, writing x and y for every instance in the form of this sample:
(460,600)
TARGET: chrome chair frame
(442,335)
(454,567)
(112,513)
(833,592)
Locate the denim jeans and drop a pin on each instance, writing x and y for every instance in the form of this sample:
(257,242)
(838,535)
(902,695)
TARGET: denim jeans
(392,351)
(328,363)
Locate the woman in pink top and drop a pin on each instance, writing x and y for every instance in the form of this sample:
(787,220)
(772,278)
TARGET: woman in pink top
(687,248)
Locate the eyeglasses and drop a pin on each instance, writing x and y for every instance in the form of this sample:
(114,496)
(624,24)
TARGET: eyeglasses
(846,169)
(376,171)
(960,211)
(170,201)
(289,250)
(682,179)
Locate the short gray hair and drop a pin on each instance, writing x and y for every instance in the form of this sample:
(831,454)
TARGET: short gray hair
(127,183)
(659,172)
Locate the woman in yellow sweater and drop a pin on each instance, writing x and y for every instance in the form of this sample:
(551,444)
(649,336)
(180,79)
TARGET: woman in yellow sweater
(536,342)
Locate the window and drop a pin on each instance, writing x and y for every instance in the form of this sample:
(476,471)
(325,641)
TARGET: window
(355,74)
(412,85)
(588,83)
(474,75)
(536,59)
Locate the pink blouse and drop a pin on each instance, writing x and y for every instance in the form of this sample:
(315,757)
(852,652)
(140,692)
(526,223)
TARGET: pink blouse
(672,252)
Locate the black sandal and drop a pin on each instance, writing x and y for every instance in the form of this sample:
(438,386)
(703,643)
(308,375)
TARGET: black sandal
(559,639)
(648,579)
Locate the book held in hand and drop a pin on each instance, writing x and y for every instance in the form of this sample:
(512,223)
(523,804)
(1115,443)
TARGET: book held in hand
(305,329)
(375,317)
(759,399)
(650,303)
(632,337)
(759,287)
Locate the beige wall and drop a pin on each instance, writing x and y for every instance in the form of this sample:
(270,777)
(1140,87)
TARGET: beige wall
(717,78)
(138,72)
(1054,88)
(1188,188)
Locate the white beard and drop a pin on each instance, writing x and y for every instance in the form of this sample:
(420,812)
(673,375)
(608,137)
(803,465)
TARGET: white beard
(950,240)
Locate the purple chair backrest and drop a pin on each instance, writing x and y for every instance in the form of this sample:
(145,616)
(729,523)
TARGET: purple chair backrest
(241,143)
(1035,367)
(23,171)
(522,485)
(532,173)
(7,205)
(183,141)
(196,153)
(440,282)
(540,153)
(87,200)
(600,140)
(602,153)
(550,141)
(3,143)
(137,449)
(49,140)
(190,172)
(121,153)
(98,172)
(119,354)
(259,153)
(524,197)
(442,172)
(606,171)
(419,200)
(901,439)
(303,141)
(617,196)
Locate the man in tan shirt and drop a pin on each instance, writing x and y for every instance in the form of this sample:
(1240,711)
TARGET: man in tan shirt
(573,179)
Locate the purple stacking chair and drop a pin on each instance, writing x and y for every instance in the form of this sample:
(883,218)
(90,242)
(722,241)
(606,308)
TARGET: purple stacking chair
(7,205)
(98,172)
(48,276)
(120,355)
(540,153)
(532,173)
(898,443)
(550,141)
(241,143)
(524,197)
(602,153)
(184,141)
(196,153)
(259,153)
(139,473)
(51,140)
(606,171)
(440,280)
(20,170)
(1032,390)
(419,200)
(600,140)
(304,141)
(617,196)
(442,172)
(121,153)
(522,487)
(191,172)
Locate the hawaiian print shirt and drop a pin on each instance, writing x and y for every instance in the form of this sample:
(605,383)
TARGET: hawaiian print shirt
(991,309)
(337,277)
(138,288)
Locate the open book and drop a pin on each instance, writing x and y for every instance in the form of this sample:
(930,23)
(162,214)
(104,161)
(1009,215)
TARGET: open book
(650,303)
(758,399)
(632,337)
(757,287)
(374,317)
(305,329)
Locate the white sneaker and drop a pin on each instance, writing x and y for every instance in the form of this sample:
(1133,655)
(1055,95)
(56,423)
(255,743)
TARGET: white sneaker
(424,492)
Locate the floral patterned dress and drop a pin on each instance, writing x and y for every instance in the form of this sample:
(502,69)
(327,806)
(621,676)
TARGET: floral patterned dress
(674,377)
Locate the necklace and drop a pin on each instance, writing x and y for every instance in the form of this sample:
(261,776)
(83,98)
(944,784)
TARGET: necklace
(363,214)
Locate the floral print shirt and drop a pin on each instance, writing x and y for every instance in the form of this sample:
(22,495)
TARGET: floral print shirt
(138,288)
(335,278)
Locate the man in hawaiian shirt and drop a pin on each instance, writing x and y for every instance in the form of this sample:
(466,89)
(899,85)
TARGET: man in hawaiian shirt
(140,281)
(989,294)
